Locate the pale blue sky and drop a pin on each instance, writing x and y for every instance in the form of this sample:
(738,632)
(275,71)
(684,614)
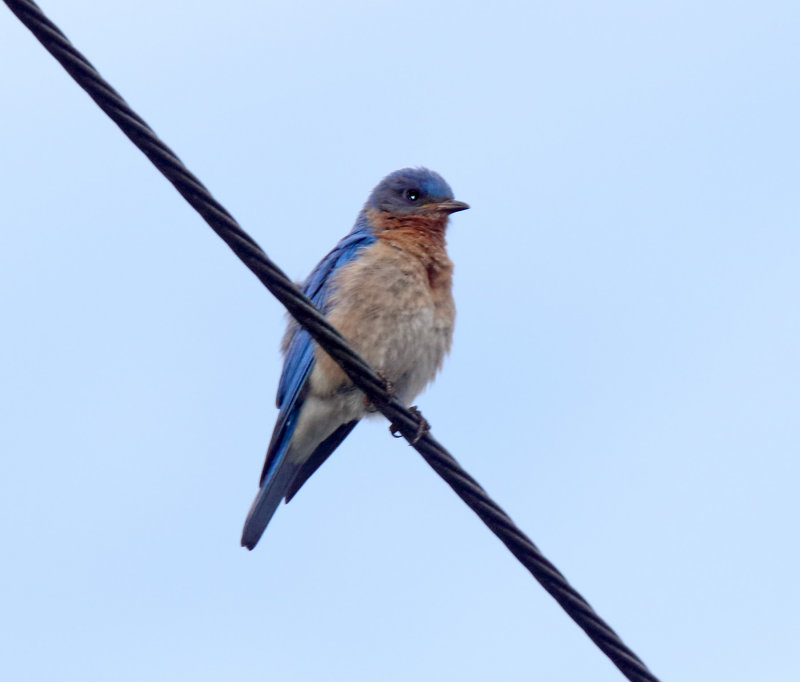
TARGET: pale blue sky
(625,377)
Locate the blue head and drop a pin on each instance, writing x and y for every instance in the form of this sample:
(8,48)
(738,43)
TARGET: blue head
(412,191)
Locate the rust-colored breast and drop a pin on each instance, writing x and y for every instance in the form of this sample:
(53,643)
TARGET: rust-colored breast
(394,305)
(422,237)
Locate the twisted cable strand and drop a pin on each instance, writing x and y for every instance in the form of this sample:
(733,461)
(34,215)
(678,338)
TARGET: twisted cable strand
(407,423)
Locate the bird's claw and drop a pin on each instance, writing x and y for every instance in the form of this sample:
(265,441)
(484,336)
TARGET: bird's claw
(388,386)
(423,426)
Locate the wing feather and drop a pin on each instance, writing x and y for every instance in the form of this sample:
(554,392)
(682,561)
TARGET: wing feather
(281,478)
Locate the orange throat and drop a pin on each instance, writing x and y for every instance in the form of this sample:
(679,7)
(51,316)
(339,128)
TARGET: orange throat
(420,236)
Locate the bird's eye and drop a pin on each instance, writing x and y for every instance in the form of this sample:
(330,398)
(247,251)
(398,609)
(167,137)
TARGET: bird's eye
(412,194)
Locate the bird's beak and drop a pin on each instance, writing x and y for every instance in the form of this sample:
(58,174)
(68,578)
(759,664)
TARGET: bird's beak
(450,206)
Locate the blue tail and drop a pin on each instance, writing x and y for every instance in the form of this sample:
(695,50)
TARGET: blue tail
(276,480)
(272,492)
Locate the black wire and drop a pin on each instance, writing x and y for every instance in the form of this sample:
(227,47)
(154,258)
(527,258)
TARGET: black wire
(303,310)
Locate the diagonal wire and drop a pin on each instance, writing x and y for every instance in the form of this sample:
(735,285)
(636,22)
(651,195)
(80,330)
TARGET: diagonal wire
(405,421)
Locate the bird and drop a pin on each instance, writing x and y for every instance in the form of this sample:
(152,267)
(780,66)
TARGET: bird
(387,288)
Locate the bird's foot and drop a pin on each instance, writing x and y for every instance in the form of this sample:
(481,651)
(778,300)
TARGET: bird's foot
(388,387)
(423,426)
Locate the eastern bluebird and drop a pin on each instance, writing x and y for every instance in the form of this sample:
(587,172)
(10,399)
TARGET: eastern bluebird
(387,288)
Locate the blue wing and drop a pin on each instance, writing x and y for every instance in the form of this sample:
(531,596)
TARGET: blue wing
(279,477)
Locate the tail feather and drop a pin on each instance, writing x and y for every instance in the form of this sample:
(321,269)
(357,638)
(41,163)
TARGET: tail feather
(267,501)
